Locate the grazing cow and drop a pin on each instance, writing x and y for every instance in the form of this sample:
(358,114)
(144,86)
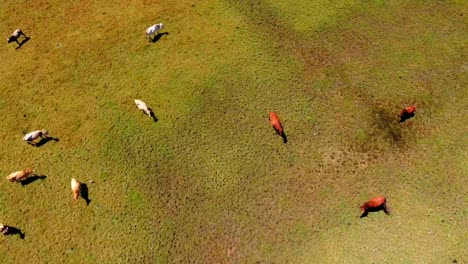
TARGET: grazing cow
(142,106)
(19,175)
(407,113)
(275,122)
(30,137)
(9,230)
(375,204)
(16,35)
(151,31)
(76,188)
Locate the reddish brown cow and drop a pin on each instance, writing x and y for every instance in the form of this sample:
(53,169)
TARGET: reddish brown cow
(407,113)
(375,204)
(275,122)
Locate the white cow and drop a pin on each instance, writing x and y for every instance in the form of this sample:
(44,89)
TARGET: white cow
(151,31)
(142,106)
(30,137)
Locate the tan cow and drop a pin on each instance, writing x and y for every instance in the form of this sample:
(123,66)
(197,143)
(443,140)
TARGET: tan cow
(76,187)
(19,175)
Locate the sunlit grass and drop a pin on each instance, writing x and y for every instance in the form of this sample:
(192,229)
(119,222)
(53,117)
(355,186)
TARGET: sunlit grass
(210,182)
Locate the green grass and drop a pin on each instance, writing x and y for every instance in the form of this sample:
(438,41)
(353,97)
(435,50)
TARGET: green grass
(210,182)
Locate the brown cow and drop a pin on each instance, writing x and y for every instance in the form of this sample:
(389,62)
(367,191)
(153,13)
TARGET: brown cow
(407,113)
(275,122)
(375,204)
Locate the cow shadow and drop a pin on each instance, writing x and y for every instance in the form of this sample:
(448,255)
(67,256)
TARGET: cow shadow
(373,210)
(84,192)
(32,179)
(14,231)
(26,39)
(406,116)
(159,36)
(285,138)
(43,141)
(155,119)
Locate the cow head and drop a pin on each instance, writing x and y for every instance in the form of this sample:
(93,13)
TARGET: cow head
(363,207)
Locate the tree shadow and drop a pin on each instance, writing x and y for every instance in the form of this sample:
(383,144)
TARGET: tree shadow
(20,44)
(158,36)
(377,209)
(32,179)
(44,141)
(10,231)
(84,192)
(406,116)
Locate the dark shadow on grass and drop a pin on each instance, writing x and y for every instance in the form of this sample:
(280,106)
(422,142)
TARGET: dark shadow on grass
(155,119)
(44,141)
(387,122)
(406,116)
(84,191)
(10,231)
(158,36)
(285,138)
(32,179)
(20,44)
(373,210)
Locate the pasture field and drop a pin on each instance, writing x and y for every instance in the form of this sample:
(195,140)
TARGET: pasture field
(210,182)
